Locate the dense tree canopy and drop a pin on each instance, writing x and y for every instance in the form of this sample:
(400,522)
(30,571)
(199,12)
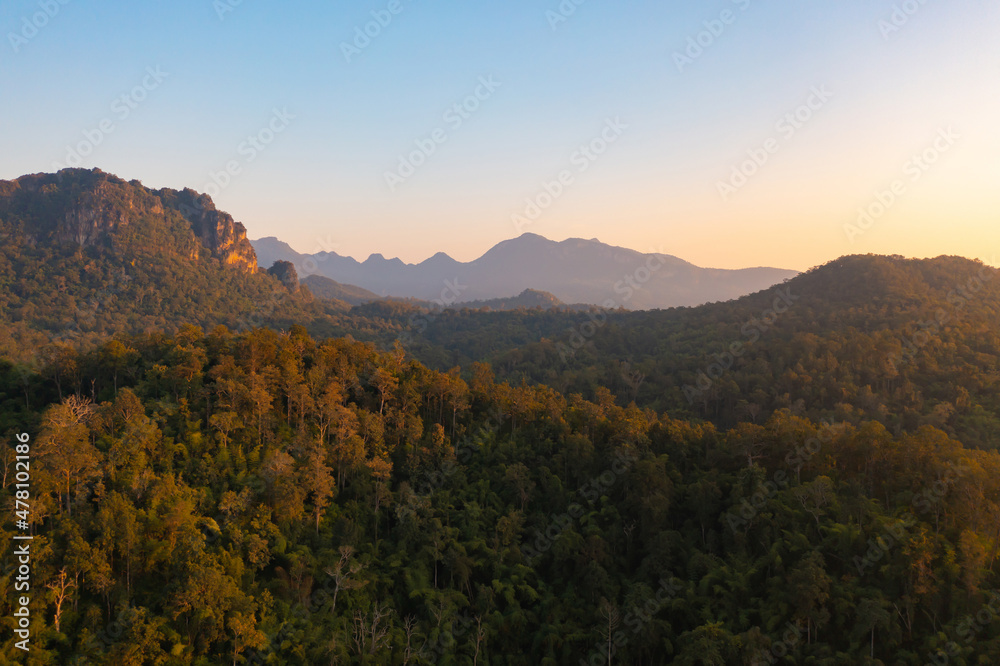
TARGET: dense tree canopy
(268,498)
(807,475)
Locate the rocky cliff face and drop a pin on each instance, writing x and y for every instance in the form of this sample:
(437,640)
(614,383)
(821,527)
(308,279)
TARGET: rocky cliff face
(88,207)
(101,211)
(224,237)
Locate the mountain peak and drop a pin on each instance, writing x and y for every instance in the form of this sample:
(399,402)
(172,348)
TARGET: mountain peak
(574,270)
(378,259)
(90,207)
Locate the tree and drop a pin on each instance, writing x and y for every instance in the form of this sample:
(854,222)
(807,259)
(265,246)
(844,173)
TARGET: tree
(122,517)
(808,590)
(371,630)
(204,596)
(519,475)
(60,588)
(117,358)
(245,633)
(612,618)
(60,364)
(318,481)
(345,572)
(224,423)
(260,399)
(381,470)
(872,613)
(64,449)
(972,557)
(140,645)
(707,645)
(385,383)
(348,449)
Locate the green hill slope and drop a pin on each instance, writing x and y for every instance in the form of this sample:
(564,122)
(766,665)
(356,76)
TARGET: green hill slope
(84,254)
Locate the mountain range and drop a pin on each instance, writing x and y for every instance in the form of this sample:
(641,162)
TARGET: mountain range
(573,271)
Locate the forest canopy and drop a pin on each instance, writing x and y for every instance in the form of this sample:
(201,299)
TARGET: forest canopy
(270,498)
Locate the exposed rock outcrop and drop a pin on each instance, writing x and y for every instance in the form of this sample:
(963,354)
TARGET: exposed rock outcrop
(225,238)
(88,207)
(286,274)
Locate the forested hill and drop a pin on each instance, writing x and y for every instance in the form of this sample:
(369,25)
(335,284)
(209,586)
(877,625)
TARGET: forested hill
(84,254)
(324,287)
(93,208)
(794,475)
(905,342)
(269,498)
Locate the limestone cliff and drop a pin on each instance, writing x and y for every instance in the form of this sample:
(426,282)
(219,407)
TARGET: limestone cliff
(225,238)
(90,207)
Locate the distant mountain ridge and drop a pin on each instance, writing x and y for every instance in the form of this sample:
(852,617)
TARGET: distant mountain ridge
(573,271)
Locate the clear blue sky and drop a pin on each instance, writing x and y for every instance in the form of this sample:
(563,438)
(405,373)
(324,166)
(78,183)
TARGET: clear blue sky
(321,181)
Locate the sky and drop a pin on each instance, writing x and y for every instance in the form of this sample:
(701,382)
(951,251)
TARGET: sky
(730,133)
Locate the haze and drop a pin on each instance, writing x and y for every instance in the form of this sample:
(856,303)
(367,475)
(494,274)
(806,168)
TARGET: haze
(329,123)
